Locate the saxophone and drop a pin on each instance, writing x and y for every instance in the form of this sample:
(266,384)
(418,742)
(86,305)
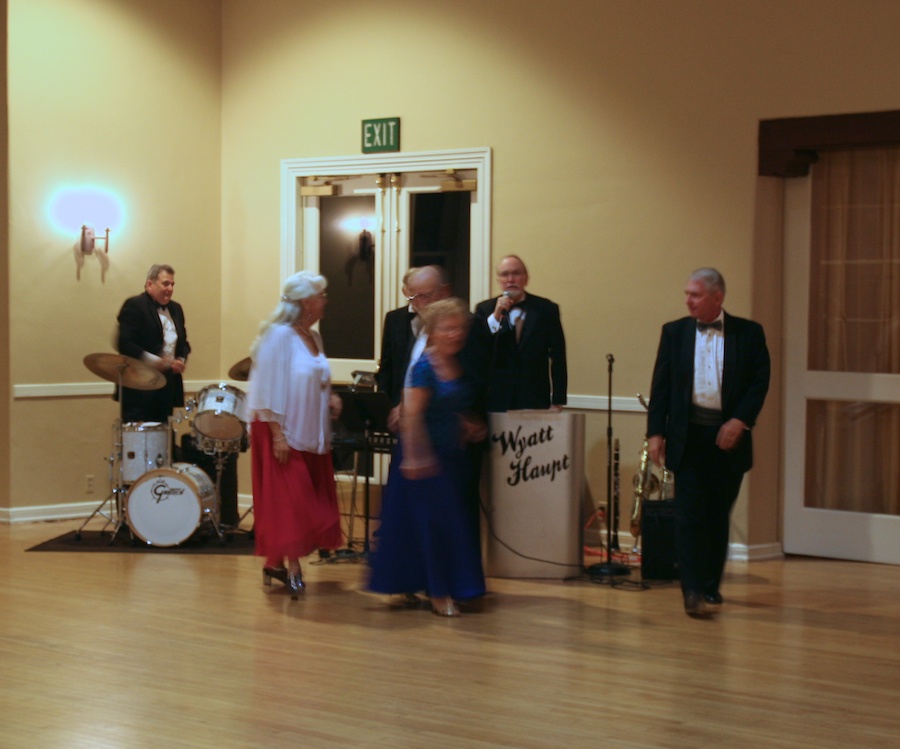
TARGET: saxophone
(645,484)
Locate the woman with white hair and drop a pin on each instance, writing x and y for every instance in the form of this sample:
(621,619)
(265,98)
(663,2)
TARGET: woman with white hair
(290,406)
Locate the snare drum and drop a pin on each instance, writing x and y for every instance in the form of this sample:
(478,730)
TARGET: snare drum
(219,410)
(145,445)
(165,506)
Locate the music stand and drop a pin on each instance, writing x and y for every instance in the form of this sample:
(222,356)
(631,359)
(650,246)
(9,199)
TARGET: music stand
(364,420)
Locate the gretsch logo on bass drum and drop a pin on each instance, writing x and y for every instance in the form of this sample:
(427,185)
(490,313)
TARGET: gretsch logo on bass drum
(161,490)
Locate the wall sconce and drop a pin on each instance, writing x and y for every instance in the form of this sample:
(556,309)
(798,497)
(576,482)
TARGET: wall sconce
(88,238)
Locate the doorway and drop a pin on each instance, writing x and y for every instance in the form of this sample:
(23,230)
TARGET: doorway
(819,521)
(364,221)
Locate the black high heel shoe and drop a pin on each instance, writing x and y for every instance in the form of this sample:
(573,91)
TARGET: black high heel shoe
(295,583)
(275,573)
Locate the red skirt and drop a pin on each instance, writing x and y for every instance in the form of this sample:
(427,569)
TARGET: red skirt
(295,508)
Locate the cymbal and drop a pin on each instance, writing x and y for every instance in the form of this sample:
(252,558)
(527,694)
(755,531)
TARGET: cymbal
(241,370)
(135,374)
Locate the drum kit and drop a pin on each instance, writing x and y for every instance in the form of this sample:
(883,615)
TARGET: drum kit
(163,503)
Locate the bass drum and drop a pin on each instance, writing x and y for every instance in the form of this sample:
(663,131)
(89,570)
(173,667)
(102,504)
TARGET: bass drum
(166,506)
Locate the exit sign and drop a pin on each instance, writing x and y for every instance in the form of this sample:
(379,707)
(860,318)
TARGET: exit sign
(381,135)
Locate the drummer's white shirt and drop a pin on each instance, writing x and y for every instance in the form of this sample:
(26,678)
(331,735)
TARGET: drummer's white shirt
(290,385)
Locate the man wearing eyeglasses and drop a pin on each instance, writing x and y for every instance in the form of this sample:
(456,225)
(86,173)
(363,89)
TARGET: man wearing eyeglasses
(527,368)
(403,340)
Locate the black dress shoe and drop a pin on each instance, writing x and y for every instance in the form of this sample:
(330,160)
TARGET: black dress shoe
(714,598)
(693,604)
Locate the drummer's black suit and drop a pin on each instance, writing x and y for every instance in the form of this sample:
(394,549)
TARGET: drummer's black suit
(140,332)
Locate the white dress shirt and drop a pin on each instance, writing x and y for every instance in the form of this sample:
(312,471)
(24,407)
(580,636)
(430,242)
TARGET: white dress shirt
(709,358)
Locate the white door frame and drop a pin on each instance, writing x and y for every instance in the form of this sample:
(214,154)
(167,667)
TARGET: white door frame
(835,534)
(299,240)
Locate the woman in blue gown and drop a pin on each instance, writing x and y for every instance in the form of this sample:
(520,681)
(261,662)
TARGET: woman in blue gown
(429,539)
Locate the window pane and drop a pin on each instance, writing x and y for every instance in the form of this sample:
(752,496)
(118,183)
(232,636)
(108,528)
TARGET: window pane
(347,260)
(441,235)
(853,456)
(855,262)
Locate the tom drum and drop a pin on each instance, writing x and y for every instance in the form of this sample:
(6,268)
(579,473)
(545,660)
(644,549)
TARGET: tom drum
(146,445)
(219,410)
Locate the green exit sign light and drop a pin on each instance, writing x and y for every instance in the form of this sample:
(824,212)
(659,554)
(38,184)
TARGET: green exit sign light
(381,135)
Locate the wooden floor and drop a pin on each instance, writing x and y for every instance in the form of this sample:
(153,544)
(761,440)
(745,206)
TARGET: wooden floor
(149,650)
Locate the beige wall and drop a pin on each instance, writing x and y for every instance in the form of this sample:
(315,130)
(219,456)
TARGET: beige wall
(624,154)
(4,264)
(123,94)
(624,144)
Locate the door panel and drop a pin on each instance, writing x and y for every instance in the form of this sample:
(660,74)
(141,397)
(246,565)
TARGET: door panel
(419,209)
(856,400)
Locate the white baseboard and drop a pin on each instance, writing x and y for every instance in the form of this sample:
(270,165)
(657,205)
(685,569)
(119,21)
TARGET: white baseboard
(74,510)
(736,552)
(755,553)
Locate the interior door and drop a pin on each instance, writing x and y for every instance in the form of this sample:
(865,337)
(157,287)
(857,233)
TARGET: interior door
(364,227)
(810,528)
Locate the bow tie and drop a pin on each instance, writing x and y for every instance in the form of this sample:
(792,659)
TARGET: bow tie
(714,325)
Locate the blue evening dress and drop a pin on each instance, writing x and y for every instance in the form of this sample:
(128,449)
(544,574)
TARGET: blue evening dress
(429,537)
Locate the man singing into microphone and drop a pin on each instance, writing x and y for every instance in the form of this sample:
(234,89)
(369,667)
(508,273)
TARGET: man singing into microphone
(527,345)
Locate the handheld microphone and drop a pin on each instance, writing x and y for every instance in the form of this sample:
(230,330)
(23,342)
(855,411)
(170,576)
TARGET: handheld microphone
(507,294)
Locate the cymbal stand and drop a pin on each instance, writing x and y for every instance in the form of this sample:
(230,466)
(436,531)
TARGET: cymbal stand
(220,452)
(221,457)
(116,499)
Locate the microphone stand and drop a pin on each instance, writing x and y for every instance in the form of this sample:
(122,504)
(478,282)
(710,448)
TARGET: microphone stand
(609,569)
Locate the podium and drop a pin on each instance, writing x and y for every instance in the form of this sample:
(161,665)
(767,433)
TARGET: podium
(535,483)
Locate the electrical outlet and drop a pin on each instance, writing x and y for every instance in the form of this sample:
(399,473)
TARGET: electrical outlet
(89,484)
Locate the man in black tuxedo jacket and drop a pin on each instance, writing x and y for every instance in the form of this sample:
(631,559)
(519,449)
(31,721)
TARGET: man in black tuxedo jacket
(709,384)
(401,342)
(151,329)
(527,349)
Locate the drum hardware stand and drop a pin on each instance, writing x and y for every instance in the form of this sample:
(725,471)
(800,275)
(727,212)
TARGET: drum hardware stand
(115,499)
(112,367)
(353,486)
(221,457)
(348,552)
(241,519)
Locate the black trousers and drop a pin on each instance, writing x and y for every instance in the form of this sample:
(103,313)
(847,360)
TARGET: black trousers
(706,488)
(152,405)
(188,452)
